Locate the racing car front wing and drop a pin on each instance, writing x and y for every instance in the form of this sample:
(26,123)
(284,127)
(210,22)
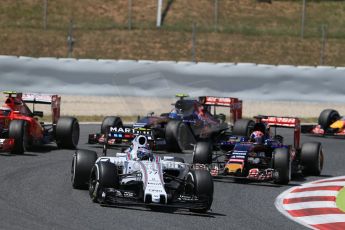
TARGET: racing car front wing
(111,199)
(6,145)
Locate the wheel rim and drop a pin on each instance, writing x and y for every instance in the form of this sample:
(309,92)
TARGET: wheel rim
(92,187)
(190,182)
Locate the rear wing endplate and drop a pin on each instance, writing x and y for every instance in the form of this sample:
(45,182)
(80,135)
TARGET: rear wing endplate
(233,103)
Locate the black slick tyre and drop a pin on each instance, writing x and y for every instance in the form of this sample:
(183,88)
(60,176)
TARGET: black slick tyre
(18,131)
(243,127)
(110,121)
(327,117)
(202,153)
(282,166)
(103,175)
(82,163)
(312,158)
(202,188)
(67,133)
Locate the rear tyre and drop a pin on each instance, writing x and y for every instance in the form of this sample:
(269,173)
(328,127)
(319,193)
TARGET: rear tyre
(327,117)
(202,183)
(178,136)
(186,138)
(18,131)
(104,175)
(82,163)
(282,166)
(312,158)
(110,121)
(243,127)
(67,133)
(202,153)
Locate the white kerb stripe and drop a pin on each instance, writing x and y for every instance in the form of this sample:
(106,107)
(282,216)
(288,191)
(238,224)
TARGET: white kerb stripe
(311,193)
(330,179)
(322,219)
(335,183)
(304,205)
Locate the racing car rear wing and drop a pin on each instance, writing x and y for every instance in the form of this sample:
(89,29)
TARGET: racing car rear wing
(283,122)
(233,103)
(38,98)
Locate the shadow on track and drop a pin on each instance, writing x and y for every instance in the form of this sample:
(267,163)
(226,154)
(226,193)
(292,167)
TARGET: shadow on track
(33,151)
(253,183)
(16,155)
(325,137)
(169,211)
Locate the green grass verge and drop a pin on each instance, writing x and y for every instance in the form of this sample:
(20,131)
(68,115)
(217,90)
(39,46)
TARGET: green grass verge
(341,200)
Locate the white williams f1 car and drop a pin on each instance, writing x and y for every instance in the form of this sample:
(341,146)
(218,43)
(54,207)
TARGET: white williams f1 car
(137,177)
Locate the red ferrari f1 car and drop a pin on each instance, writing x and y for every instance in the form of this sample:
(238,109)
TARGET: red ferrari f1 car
(21,129)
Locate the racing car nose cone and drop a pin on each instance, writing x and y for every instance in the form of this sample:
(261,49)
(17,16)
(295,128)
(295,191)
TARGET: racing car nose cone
(337,125)
(156,198)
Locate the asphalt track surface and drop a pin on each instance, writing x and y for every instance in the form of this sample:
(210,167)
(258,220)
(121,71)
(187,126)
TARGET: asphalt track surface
(36,193)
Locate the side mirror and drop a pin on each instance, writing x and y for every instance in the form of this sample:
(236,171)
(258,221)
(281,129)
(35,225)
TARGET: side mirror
(38,114)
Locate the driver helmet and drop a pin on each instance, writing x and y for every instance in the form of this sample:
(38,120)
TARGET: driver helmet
(200,109)
(5,111)
(257,137)
(143,154)
(173,114)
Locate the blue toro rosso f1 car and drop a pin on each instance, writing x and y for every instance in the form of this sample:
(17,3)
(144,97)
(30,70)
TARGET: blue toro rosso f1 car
(190,121)
(259,154)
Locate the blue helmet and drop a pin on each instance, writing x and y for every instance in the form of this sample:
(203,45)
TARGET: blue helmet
(143,153)
(257,137)
(173,115)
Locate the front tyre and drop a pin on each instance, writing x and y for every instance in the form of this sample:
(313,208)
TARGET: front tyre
(82,163)
(282,166)
(312,158)
(18,131)
(103,175)
(202,187)
(327,117)
(202,153)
